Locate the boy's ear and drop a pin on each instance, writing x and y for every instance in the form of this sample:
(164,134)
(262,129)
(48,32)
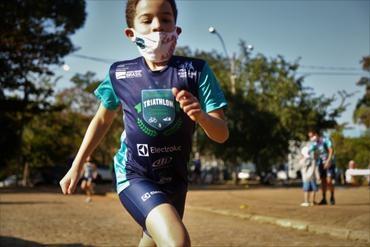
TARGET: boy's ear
(129,33)
(178,30)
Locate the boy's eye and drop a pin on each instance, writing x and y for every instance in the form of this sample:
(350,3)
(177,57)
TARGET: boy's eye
(166,20)
(146,21)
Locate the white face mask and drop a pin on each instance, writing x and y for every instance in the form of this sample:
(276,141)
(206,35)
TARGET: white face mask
(156,46)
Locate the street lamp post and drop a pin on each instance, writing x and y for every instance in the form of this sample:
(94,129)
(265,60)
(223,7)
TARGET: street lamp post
(231,60)
(212,30)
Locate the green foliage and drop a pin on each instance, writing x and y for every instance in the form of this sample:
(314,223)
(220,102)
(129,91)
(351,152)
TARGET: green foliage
(34,36)
(80,98)
(54,138)
(351,148)
(362,112)
(270,106)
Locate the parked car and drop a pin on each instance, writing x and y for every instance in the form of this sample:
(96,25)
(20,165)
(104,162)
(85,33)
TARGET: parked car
(247,171)
(9,181)
(104,174)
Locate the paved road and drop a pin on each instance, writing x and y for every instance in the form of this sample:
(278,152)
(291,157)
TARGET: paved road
(34,219)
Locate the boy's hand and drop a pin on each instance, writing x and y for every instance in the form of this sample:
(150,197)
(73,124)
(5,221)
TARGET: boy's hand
(69,181)
(188,103)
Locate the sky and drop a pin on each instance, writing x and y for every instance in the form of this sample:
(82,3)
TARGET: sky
(330,38)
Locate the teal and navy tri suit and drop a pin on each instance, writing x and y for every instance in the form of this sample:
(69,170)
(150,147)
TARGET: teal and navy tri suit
(151,165)
(321,147)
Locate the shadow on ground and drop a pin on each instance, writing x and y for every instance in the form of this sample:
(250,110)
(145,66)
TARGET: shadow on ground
(28,202)
(13,241)
(100,189)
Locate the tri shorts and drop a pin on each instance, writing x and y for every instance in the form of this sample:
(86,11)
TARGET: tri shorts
(310,186)
(142,195)
(324,173)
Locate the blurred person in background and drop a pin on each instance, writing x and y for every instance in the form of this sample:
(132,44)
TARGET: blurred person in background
(309,176)
(326,163)
(90,173)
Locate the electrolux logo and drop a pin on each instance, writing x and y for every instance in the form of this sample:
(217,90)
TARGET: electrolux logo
(147,195)
(166,149)
(142,150)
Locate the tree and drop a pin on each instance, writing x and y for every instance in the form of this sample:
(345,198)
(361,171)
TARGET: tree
(81,105)
(270,107)
(351,148)
(362,111)
(53,138)
(34,36)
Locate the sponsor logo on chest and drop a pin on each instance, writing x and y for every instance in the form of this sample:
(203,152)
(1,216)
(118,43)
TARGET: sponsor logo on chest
(144,150)
(129,74)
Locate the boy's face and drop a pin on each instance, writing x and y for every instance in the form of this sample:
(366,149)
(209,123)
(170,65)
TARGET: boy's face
(153,16)
(312,135)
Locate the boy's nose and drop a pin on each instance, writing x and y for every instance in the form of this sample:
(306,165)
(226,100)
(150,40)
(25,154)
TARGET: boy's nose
(156,25)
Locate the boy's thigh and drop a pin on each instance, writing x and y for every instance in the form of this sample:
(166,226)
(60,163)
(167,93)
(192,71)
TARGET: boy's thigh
(313,186)
(83,184)
(331,172)
(142,196)
(306,186)
(309,186)
(322,170)
(165,225)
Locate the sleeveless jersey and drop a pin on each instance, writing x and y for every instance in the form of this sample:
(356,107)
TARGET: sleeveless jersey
(157,139)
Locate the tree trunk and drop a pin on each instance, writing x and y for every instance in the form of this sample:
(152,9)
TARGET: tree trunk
(26,175)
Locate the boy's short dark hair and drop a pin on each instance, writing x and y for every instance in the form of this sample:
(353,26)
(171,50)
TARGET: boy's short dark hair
(131,11)
(314,130)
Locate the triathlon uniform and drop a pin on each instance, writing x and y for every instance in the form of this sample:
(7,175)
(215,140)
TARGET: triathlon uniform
(322,148)
(89,171)
(151,165)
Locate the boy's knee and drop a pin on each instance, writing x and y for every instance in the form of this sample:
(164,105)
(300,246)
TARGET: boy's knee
(182,240)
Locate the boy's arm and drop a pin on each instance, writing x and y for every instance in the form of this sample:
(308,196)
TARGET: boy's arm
(328,160)
(98,127)
(213,123)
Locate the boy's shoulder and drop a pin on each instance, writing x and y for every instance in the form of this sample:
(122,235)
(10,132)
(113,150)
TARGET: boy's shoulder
(188,62)
(135,61)
(183,58)
(180,62)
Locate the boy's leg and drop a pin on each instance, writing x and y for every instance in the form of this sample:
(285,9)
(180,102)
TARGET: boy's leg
(146,241)
(330,186)
(88,189)
(305,196)
(149,204)
(313,197)
(165,226)
(309,193)
(83,185)
(323,177)
(323,190)
(331,182)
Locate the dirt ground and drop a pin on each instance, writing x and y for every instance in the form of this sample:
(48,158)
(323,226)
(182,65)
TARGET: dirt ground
(352,209)
(39,218)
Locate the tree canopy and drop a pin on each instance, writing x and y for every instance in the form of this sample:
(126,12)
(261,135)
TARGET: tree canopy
(35,35)
(270,107)
(362,112)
